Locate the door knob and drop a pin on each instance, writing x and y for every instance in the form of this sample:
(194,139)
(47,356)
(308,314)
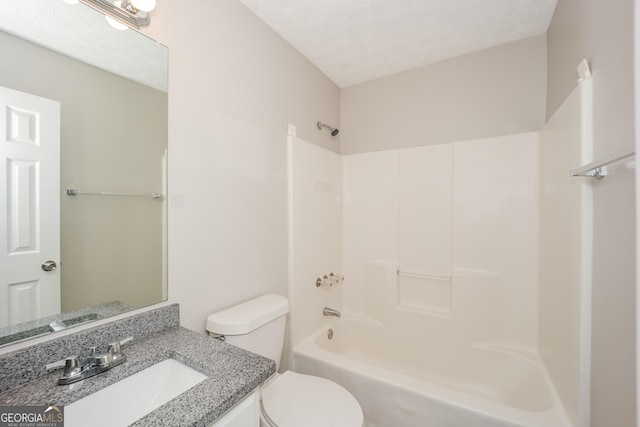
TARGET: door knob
(49,265)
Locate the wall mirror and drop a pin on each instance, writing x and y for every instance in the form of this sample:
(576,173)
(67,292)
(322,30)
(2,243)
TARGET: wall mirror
(83,139)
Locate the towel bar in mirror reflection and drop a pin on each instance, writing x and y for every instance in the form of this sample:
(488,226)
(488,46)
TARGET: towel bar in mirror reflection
(75,192)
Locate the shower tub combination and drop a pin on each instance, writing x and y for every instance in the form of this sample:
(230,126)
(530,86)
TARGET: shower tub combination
(411,381)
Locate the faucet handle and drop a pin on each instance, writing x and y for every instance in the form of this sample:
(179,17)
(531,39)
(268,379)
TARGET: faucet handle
(71,366)
(56,365)
(115,347)
(70,362)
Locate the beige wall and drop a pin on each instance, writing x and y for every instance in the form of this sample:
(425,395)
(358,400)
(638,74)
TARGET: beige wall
(602,32)
(110,247)
(234,85)
(494,92)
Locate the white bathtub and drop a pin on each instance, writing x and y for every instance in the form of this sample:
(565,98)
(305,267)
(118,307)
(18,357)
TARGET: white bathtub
(419,382)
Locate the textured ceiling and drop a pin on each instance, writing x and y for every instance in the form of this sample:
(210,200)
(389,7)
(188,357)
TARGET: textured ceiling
(81,33)
(359,40)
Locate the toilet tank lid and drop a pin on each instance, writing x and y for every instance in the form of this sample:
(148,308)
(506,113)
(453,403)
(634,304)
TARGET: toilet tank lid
(245,317)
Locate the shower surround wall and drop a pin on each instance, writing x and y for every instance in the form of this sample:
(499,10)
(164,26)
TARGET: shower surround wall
(439,246)
(566,242)
(443,235)
(315,233)
(446,235)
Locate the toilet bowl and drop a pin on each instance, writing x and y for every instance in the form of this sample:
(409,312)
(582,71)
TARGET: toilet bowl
(289,399)
(295,400)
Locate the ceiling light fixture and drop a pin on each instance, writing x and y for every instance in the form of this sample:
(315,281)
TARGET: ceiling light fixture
(132,13)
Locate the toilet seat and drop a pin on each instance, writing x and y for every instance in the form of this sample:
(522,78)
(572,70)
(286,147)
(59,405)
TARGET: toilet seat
(294,400)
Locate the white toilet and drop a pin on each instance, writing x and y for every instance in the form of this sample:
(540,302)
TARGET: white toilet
(289,399)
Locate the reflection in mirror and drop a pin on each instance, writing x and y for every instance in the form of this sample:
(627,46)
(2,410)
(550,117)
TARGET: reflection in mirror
(83,138)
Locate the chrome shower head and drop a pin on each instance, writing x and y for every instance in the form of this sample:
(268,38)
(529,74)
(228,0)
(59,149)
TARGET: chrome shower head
(333,130)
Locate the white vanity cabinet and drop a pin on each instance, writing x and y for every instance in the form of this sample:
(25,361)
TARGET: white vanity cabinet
(246,413)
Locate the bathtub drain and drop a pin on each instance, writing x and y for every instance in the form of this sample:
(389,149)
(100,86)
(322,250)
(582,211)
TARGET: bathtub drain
(330,334)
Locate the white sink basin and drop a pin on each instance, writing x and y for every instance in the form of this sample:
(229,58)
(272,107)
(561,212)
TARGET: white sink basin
(134,397)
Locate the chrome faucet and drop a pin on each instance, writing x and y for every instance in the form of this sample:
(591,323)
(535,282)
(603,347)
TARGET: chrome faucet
(330,312)
(95,364)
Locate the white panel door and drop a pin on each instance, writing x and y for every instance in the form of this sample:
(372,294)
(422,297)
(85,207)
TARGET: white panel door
(29,206)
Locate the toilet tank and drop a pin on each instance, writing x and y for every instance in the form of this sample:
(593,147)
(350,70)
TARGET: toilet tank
(257,325)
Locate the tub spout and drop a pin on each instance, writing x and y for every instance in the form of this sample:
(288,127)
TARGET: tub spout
(330,312)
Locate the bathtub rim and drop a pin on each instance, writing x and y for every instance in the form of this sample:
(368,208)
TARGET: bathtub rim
(554,416)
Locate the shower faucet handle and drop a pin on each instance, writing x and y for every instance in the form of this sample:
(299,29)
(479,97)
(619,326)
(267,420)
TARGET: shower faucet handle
(335,279)
(329,281)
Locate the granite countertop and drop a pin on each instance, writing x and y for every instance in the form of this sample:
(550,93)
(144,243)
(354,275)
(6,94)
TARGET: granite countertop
(233,373)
